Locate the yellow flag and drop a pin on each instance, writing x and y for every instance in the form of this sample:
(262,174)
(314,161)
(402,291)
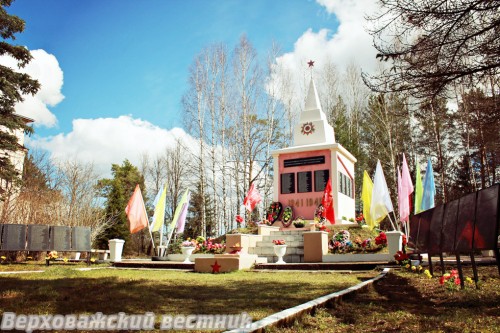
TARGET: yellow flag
(366,197)
(418,190)
(159,214)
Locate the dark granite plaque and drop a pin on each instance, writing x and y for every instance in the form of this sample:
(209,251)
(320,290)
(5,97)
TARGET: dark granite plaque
(287,183)
(436,230)
(80,239)
(14,237)
(465,222)
(60,238)
(304,161)
(486,218)
(38,237)
(449,226)
(320,179)
(304,180)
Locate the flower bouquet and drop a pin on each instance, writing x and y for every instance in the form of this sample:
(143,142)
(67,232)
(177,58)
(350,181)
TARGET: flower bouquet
(189,243)
(279,242)
(287,216)
(274,211)
(299,222)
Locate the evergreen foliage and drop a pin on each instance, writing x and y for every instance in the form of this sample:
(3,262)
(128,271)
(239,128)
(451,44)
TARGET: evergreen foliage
(12,86)
(117,191)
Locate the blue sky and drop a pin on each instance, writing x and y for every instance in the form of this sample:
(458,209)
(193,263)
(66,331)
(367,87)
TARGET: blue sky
(117,66)
(132,57)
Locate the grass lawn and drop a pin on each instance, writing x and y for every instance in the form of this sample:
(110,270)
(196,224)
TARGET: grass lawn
(408,302)
(63,290)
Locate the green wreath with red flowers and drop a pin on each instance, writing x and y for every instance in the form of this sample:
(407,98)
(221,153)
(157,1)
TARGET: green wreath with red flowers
(274,211)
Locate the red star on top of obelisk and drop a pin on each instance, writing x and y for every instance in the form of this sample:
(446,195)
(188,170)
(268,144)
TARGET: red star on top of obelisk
(310,63)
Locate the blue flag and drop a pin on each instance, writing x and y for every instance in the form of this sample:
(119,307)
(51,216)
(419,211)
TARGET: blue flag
(429,188)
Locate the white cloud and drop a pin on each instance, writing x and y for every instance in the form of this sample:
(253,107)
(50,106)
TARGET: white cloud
(106,141)
(44,67)
(350,44)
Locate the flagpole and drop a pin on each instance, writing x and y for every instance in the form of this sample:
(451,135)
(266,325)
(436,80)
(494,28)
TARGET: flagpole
(392,223)
(149,227)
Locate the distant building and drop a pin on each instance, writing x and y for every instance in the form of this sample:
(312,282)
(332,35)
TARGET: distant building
(7,192)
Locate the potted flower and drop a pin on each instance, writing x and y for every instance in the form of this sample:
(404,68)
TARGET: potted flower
(187,248)
(299,223)
(279,249)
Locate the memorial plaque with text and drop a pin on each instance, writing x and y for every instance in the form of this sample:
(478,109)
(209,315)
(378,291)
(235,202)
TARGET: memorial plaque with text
(60,238)
(80,239)
(304,161)
(38,237)
(287,183)
(320,179)
(304,180)
(14,237)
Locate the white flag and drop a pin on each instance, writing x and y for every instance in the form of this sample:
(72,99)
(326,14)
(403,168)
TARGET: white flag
(381,204)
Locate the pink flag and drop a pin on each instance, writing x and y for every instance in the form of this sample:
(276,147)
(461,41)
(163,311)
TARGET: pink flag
(136,211)
(406,191)
(252,198)
(181,222)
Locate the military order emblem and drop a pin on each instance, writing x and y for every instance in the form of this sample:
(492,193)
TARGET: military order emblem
(307,128)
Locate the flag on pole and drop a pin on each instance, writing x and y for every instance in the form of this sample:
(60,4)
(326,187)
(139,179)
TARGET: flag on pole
(327,202)
(136,211)
(406,190)
(429,188)
(181,222)
(366,197)
(159,214)
(400,193)
(381,204)
(418,190)
(253,198)
(178,210)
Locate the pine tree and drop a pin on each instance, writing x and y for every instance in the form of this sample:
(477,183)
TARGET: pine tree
(117,191)
(12,86)
(198,206)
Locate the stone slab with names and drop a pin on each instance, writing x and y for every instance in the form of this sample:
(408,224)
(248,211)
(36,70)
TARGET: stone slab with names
(80,239)
(38,237)
(13,237)
(60,238)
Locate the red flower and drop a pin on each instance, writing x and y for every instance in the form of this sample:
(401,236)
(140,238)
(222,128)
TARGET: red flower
(239,219)
(405,241)
(441,280)
(381,239)
(457,281)
(400,256)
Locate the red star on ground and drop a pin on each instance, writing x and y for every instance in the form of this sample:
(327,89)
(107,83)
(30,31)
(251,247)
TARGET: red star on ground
(215,267)
(310,63)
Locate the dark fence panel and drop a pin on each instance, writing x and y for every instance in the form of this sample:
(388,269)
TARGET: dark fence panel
(487,219)
(424,227)
(449,226)
(465,223)
(436,230)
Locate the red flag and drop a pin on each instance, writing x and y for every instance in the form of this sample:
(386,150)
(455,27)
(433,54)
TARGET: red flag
(136,212)
(252,198)
(327,202)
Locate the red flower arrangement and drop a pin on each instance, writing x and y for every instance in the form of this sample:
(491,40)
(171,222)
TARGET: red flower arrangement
(279,242)
(381,239)
(400,256)
(450,279)
(239,219)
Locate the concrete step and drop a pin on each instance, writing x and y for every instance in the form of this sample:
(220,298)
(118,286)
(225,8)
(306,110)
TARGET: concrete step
(269,250)
(289,258)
